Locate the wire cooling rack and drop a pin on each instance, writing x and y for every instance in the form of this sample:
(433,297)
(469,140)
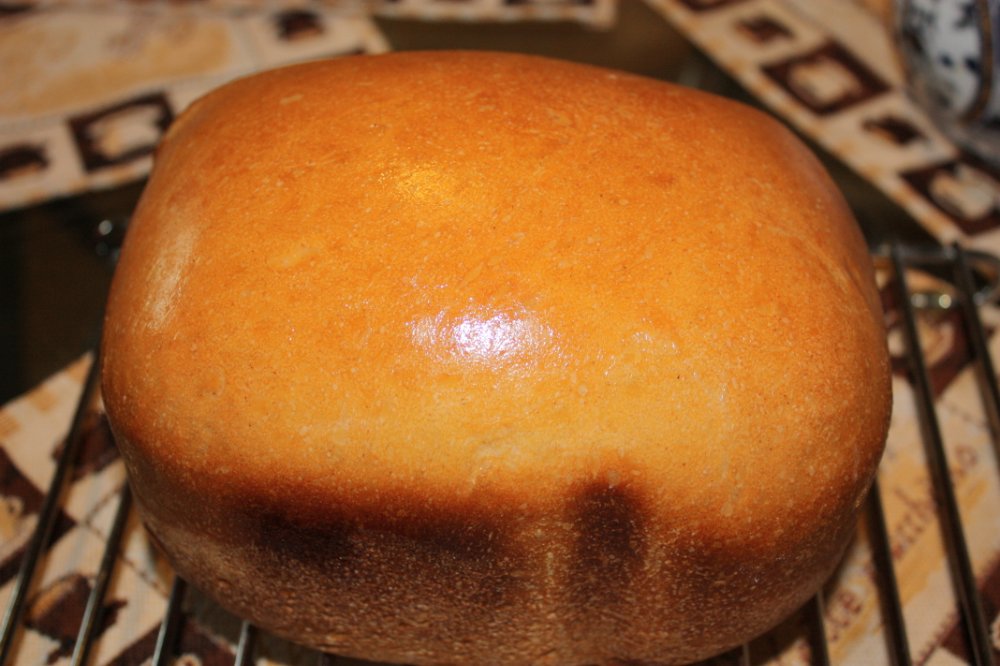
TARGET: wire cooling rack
(973,279)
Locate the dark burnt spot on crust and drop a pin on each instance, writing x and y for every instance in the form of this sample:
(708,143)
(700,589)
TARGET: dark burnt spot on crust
(351,542)
(609,540)
(289,540)
(434,533)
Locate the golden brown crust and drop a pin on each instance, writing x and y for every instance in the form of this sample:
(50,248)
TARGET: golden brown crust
(455,357)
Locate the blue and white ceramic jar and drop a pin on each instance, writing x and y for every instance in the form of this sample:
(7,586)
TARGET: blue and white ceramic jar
(951,52)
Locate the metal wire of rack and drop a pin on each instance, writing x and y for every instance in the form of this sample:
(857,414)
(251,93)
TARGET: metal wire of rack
(976,279)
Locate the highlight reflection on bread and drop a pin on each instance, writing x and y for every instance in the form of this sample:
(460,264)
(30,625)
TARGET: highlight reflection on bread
(506,360)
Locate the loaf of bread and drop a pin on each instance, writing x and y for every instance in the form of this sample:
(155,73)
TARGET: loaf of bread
(457,358)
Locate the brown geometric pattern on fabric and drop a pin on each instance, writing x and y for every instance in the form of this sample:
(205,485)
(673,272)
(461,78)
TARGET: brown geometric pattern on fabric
(22,158)
(195,647)
(826,80)
(122,132)
(956,642)
(708,5)
(97,446)
(894,129)
(528,3)
(966,189)
(764,29)
(56,611)
(20,502)
(295,24)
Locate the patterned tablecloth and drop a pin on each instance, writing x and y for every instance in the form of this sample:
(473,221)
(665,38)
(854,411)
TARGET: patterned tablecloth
(89,88)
